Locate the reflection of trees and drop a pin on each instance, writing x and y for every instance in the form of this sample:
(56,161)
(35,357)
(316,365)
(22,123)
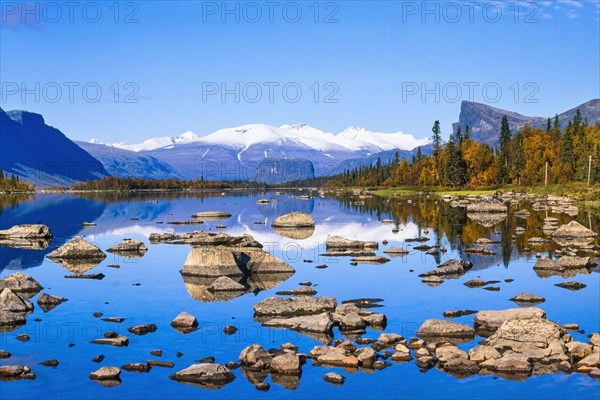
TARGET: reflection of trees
(12,201)
(451,223)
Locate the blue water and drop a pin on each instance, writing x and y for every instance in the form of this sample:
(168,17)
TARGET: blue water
(162,294)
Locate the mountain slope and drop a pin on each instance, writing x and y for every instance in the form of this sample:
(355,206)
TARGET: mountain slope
(125,163)
(41,154)
(484,121)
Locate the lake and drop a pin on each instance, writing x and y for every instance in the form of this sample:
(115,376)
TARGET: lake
(152,290)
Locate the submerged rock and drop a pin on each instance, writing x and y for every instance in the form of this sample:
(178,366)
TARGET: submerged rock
(334,378)
(370,259)
(320,323)
(573,230)
(571,285)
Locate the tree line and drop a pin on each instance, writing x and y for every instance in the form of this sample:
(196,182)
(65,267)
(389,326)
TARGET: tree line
(132,184)
(13,184)
(520,159)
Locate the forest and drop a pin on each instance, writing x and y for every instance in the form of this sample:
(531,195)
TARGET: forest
(124,184)
(520,159)
(13,184)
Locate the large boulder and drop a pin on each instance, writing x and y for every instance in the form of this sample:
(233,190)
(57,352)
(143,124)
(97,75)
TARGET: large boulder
(33,231)
(205,375)
(257,261)
(21,283)
(212,262)
(520,335)
(488,321)
(77,249)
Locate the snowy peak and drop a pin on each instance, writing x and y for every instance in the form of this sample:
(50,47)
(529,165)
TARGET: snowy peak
(302,135)
(154,143)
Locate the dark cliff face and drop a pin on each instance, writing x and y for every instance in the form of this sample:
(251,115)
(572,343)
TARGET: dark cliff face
(41,154)
(484,121)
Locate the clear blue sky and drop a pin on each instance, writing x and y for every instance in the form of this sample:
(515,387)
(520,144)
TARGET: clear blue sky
(371,53)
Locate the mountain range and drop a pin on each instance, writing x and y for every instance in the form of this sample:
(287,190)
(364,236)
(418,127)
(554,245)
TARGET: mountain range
(43,155)
(484,121)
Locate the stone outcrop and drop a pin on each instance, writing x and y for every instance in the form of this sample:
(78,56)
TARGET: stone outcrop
(207,375)
(451,269)
(22,284)
(488,321)
(340,243)
(129,248)
(32,231)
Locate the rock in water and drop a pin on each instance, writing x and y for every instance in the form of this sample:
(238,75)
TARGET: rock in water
(277,306)
(15,372)
(526,299)
(338,242)
(208,375)
(211,215)
(294,220)
(129,248)
(36,231)
(287,364)
(77,249)
(487,205)
(20,283)
(296,225)
(450,269)
(184,320)
(225,284)
(47,302)
(334,378)
(573,230)
(106,373)
(488,321)
(436,328)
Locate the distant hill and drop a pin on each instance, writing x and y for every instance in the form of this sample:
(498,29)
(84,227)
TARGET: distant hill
(484,121)
(125,163)
(41,154)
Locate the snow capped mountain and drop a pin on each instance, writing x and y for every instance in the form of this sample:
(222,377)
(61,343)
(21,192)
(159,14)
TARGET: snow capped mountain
(242,137)
(154,143)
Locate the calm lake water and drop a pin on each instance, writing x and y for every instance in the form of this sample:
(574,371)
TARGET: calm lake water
(151,290)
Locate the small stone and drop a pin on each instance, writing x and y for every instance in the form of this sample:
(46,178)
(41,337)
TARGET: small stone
(106,373)
(99,358)
(50,363)
(23,337)
(262,386)
(334,378)
(157,353)
(230,330)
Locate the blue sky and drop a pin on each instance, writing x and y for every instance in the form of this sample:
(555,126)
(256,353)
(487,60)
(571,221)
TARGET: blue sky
(161,67)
